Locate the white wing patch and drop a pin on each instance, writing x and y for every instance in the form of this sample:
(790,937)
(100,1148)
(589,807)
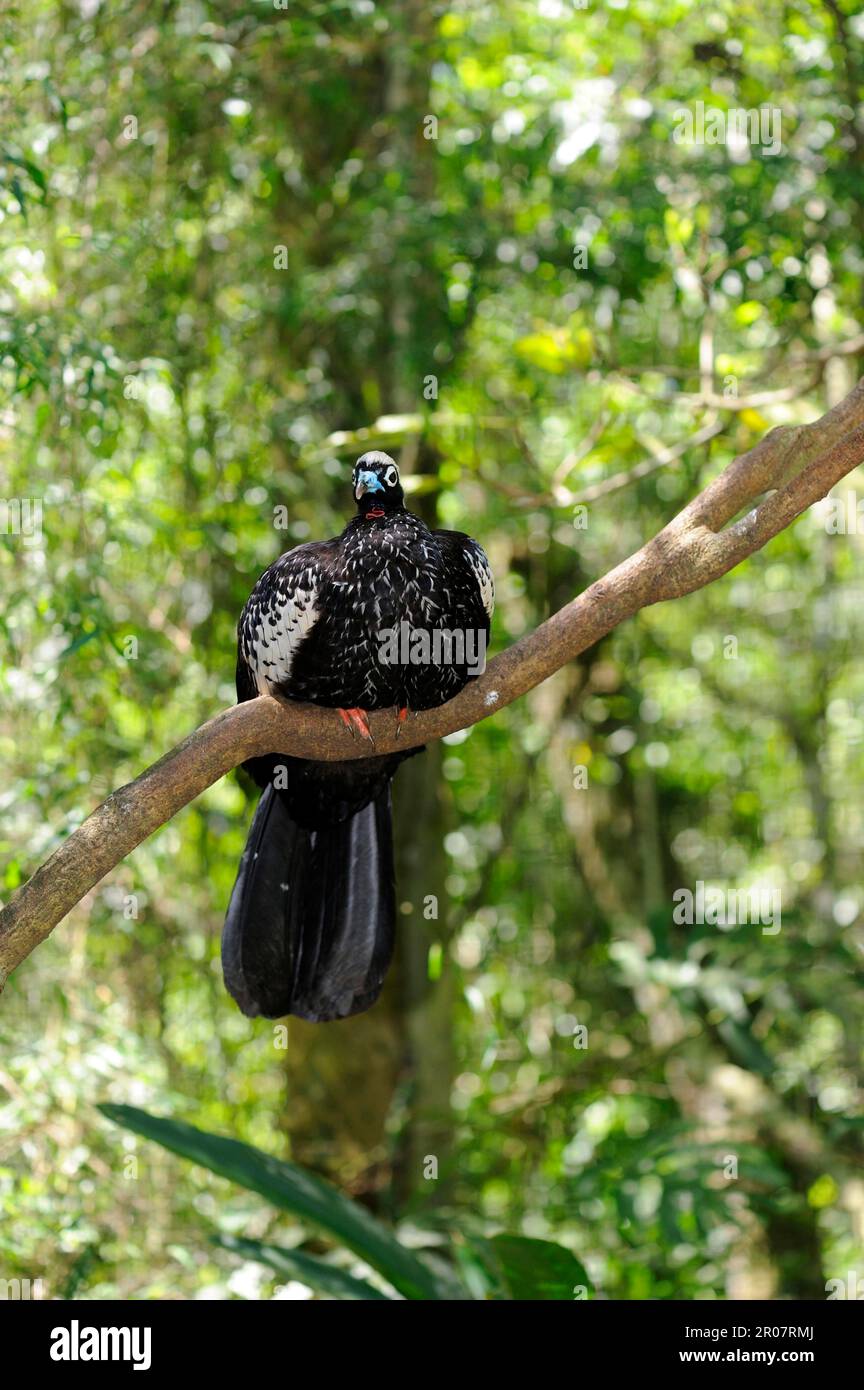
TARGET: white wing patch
(476,557)
(274,630)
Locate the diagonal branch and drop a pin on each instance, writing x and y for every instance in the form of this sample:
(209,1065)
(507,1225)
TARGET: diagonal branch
(795,467)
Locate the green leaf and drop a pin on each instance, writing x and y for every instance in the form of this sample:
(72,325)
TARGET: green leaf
(746,1050)
(537,1269)
(551,351)
(292,1189)
(35,173)
(318,1274)
(15,185)
(80,641)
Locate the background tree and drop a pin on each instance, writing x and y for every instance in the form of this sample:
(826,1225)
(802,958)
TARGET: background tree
(231,259)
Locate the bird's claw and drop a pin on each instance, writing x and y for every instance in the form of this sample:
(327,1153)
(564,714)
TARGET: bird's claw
(357,722)
(401,716)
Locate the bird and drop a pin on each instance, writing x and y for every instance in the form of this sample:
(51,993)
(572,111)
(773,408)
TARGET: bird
(389,614)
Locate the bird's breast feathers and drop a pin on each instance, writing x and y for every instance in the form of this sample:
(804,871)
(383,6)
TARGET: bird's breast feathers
(341,594)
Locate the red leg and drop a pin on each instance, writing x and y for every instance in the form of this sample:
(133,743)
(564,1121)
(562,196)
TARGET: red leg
(356,719)
(401,716)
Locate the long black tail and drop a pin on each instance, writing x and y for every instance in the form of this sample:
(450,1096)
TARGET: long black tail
(311,922)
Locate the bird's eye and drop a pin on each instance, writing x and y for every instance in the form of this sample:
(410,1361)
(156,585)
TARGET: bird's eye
(391,477)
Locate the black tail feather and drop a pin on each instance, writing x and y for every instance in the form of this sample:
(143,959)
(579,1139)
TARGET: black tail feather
(311,922)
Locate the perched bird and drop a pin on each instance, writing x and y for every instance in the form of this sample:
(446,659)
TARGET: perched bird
(387,614)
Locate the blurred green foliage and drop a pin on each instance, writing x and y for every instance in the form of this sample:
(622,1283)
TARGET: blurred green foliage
(504,1267)
(237,246)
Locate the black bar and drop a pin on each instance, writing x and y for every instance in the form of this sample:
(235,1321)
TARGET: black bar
(246,1337)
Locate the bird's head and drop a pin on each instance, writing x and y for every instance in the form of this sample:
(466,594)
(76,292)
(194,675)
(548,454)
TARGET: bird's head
(376,484)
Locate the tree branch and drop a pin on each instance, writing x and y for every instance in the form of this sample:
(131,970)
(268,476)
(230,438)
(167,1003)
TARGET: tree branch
(795,467)
(661,457)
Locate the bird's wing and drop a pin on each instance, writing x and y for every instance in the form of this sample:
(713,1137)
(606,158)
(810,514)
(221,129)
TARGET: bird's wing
(482,570)
(463,553)
(279,615)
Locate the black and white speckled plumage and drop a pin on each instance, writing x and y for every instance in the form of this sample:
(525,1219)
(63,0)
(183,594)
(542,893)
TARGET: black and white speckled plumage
(311,630)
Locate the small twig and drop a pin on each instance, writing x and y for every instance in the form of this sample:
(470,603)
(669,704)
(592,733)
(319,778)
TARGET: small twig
(575,456)
(661,456)
(709,399)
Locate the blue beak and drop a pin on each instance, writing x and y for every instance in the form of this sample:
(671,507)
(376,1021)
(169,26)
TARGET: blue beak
(367,481)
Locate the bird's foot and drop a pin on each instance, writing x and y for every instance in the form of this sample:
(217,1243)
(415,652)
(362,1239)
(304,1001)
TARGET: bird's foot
(356,722)
(401,716)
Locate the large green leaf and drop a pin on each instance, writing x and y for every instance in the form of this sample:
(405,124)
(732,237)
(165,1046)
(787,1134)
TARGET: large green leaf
(293,1189)
(318,1274)
(537,1269)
